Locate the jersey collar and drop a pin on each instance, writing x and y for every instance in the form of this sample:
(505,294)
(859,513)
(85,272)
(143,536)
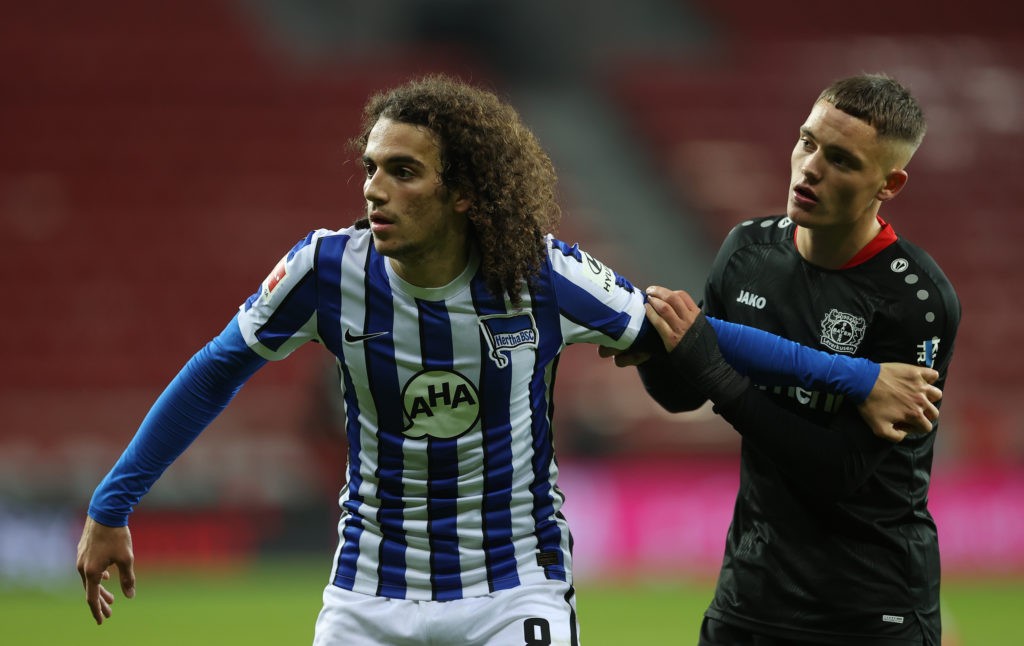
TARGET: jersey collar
(459,283)
(885,237)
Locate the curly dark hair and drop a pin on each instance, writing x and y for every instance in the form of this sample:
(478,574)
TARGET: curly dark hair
(489,154)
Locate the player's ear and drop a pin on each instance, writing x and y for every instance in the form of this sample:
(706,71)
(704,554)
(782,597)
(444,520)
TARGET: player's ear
(895,180)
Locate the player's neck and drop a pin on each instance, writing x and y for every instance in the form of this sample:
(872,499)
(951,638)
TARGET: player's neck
(435,270)
(833,247)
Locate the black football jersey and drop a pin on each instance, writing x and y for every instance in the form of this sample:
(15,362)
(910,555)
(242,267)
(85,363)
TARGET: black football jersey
(808,562)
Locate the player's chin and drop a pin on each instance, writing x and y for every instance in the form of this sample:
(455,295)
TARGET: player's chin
(384,244)
(800,216)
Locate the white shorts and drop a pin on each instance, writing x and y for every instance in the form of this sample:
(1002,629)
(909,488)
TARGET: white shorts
(540,614)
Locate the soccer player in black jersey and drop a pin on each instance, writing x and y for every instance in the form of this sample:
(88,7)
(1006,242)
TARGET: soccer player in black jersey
(831,541)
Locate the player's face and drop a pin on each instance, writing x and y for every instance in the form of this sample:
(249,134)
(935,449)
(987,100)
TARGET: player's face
(415,220)
(840,172)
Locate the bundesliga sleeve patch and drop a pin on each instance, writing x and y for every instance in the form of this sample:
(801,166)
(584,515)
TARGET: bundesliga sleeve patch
(275,277)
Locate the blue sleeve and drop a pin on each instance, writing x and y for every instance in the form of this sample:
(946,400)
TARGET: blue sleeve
(773,360)
(199,392)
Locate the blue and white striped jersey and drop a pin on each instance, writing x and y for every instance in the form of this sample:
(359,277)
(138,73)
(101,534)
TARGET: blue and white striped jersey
(451,488)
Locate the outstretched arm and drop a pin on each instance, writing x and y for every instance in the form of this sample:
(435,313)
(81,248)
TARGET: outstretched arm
(192,400)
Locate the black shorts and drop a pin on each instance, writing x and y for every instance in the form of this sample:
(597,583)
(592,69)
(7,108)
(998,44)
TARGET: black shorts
(717,633)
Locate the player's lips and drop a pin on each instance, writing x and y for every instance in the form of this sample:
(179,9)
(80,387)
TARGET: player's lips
(379,221)
(804,197)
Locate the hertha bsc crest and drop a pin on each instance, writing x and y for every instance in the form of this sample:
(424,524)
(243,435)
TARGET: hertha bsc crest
(842,332)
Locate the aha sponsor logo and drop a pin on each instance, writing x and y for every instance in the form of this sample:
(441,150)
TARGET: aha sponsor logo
(752,300)
(439,403)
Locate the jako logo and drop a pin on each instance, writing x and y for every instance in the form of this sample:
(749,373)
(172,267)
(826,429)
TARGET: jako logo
(752,300)
(892,619)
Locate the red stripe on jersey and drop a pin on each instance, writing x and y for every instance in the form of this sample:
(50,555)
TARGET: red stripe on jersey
(276,276)
(885,237)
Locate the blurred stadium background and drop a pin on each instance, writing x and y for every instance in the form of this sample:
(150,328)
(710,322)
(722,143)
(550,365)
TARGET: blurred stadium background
(157,158)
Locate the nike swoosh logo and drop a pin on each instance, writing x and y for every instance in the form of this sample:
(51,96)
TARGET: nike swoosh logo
(356,338)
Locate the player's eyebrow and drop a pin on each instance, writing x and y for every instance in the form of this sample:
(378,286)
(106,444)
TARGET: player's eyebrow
(833,149)
(406,160)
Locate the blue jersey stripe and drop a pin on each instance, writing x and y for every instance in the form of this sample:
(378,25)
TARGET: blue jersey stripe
(327,266)
(345,572)
(548,533)
(349,554)
(497,445)
(345,568)
(382,374)
(443,491)
(435,335)
(443,462)
(579,306)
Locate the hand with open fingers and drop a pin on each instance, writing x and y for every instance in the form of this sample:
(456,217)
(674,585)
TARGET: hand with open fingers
(99,548)
(671,313)
(902,401)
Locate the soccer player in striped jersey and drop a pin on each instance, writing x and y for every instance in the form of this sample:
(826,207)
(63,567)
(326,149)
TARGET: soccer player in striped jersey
(447,308)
